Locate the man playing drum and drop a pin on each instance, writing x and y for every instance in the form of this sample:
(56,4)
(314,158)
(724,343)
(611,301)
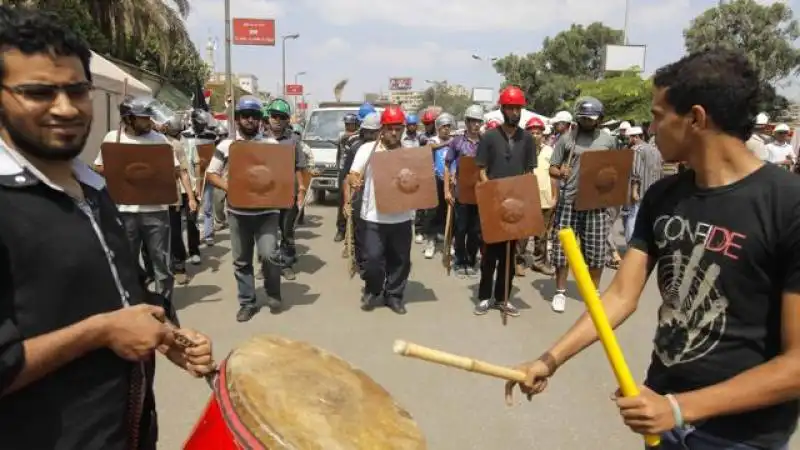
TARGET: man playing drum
(78,330)
(724,239)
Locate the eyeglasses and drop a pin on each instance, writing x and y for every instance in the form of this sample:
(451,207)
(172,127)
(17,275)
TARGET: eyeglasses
(47,93)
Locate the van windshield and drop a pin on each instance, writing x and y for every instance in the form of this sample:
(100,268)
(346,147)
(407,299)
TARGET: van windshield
(326,125)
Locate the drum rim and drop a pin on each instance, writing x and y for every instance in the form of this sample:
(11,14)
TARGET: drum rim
(244,437)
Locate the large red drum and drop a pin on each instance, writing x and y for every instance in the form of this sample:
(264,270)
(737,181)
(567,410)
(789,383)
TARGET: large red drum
(278,394)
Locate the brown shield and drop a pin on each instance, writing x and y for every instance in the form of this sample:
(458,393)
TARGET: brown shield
(204,154)
(404,180)
(261,176)
(139,174)
(509,208)
(468,176)
(604,179)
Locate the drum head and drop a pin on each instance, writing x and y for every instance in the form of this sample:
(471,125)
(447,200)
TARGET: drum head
(292,395)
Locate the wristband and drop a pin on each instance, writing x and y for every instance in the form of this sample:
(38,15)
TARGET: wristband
(676,410)
(549,360)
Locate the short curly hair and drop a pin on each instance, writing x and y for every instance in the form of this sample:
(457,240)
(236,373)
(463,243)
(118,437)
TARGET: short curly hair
(35,32)
(722,81)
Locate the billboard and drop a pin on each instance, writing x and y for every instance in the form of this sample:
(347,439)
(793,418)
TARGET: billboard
(400,84)
(620,58)
(254,31)
(483,95)
(294,89)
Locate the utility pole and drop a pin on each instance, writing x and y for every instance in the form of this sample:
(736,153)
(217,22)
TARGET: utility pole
(625,25)
(229,70)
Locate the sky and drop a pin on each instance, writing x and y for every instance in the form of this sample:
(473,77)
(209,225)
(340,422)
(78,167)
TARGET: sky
(369,41)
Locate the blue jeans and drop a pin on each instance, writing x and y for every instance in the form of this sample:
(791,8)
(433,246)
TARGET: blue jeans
(629,220)
(208,211)
(248,233)
(690,438)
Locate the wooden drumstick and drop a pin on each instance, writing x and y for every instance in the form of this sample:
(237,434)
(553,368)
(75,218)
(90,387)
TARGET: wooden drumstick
(411,350)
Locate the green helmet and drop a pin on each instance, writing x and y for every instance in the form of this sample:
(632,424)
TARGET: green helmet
(281,106)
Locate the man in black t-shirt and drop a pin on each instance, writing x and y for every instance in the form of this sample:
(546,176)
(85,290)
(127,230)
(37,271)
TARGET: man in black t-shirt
(724,238)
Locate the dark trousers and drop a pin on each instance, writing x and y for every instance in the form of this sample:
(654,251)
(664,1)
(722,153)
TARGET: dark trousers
(386,253)
(179,254)
(494,261)
(288,251)
(466,231)
(435,217)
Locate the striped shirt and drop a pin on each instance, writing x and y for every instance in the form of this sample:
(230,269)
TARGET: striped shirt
(648,166)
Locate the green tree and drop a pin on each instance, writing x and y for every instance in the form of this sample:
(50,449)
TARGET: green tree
(766,33)
(442,96)
(550,77)
(625,96)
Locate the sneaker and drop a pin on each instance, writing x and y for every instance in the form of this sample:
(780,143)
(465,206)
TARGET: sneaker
(195,260)
(559,302)
(246,313)
(275,304)
(419,239)
(471,271)
(483,307)
(509,309)
(430,250)
(209,241)
(339,236)
(288,273)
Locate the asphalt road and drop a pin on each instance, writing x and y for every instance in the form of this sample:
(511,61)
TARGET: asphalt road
(455,410)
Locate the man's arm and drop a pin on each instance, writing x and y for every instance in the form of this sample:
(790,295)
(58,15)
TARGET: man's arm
(622,296)
(777,380)
(482,157)
(214,171)
(530,154)
(558,158)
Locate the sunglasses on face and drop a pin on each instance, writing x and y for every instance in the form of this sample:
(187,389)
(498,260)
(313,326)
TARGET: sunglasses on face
(42,93)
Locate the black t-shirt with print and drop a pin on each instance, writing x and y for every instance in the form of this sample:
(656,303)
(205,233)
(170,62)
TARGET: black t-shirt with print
(724,256)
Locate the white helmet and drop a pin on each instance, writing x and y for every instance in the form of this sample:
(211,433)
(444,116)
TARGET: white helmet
(762,119)
(474,112)
(445,119)
(372,121)
(562,116)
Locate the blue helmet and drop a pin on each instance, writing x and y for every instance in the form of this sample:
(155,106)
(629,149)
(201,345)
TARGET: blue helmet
(589,107)
(412,119)
(351,119)
(365,110)
(249,103)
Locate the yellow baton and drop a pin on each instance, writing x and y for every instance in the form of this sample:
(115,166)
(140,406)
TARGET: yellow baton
(598,314)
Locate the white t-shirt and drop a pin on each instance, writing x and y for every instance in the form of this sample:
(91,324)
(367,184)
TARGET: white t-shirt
(150,138)
(779,153)
(369,211)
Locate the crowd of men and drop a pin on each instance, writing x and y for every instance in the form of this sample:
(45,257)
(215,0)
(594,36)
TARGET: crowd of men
(79,327)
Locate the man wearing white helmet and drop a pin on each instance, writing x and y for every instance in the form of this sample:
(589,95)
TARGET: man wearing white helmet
(434,218)
(467,225)
(561,123)
(780,151)
(759,140)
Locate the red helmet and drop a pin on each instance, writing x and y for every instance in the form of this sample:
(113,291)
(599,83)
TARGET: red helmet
(534,122)
(512,96)
(393,115)
(492,124)
(429,116)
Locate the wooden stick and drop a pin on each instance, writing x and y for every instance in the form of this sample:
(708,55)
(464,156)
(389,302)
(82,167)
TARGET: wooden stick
(408,349)
(448,239)
(504,313)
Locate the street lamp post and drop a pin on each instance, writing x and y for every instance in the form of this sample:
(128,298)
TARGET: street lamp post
(229,68)
(283,50)
(298,74)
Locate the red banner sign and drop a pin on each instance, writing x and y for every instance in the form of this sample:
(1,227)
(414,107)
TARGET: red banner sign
(294,89)
(254,31)
(400,84)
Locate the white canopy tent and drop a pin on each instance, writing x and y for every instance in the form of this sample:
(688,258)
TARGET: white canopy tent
(526,116)
(109,82)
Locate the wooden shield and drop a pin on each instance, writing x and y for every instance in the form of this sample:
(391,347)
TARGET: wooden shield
(139,174)
(261,176)
(204,154)
(404,180)
(468,176)
(509,208)
(604,179)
